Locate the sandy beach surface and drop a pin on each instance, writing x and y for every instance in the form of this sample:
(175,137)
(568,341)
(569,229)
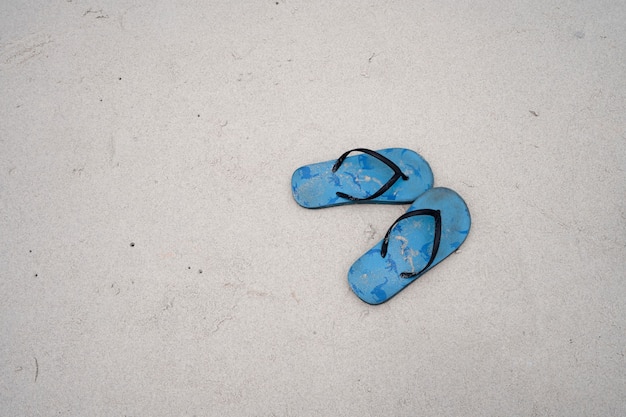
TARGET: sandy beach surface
(153,261)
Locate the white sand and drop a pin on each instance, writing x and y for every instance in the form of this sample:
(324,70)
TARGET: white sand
(177,128)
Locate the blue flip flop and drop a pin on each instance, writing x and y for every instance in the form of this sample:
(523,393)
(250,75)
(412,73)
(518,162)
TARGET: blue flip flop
(433,227)
(392,176)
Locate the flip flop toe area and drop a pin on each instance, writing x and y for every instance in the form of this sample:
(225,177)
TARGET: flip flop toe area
(361,176)
(375,279)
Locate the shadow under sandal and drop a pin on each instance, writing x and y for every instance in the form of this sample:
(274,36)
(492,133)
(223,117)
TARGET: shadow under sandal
(391,176)
(433,227)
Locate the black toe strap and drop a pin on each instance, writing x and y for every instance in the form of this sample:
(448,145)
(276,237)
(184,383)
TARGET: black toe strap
(436,214)
(397,174)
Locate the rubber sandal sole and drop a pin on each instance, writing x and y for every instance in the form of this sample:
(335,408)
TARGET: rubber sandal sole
(414,244)
(361,176)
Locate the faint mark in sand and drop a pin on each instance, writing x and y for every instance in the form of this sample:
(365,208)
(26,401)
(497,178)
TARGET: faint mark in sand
(99,14)
(237,290)
(219,322)
(112,150)
(257,293)
(36,368)
(370,232)
(365,72)
(168,303)
(221,124)
(122,16)
(18,52)
(112,289)
(245,77)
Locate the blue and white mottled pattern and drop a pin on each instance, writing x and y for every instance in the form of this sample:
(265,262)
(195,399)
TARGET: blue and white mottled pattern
(361,175)
(376,279)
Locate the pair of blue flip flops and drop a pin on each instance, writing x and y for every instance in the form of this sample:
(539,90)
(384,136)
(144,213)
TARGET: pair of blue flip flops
(434,226)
